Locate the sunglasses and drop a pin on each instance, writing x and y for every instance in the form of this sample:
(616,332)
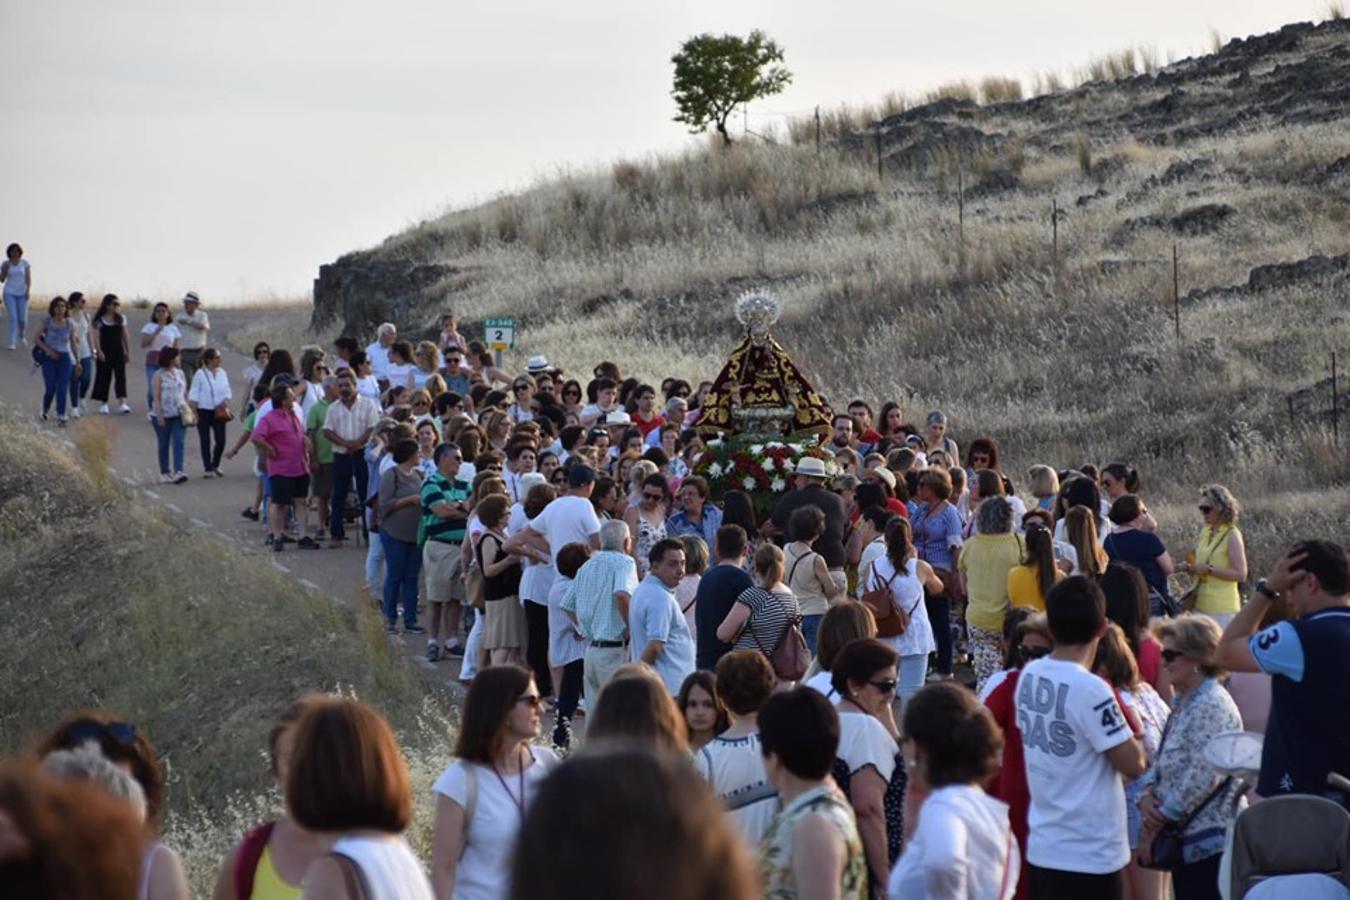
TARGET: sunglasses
(1206,509)
(653,497)
(530,700)
(1172,655)
(1029,653)
(885,685)
(519,387)
(88,730)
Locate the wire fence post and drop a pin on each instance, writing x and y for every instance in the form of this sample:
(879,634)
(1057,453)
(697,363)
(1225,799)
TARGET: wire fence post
(880,174)
(961,222)
(817,129)
(1335,403)
(1054,240)
(1176,294)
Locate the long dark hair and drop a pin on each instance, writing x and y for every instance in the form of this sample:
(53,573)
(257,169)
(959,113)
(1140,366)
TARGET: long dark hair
(279,363)
(1041,555)
(105,305)
(492,696)
(702,678)
(898,542)
(1127,601)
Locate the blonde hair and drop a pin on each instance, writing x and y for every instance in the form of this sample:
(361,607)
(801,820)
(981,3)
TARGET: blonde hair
(769,560)
(1196,636)
(428,354)
(641,471)
(1044,481)
(1228,507)
(1080,527)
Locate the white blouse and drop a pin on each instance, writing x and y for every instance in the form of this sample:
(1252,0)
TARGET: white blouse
(209,389)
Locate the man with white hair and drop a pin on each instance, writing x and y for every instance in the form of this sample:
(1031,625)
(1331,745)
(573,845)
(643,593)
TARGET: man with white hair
(378,352)
(598,603)
(677,410)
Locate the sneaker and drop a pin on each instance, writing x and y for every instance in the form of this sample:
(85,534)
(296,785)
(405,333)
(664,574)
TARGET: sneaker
(165,478)
(935,677)
(75,413)
(336,543)
(414,629)
(103,410)
(562,734)
(390,630)
(60,421)
(456,649)
(251,515)
(11,346)
(277,547)
(433,651)
(179,477)
(269,540)
(286,538)
(123,409)
(308,543)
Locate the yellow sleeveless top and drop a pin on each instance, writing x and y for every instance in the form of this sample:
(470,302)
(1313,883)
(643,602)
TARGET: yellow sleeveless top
(267,884)
(1216,595)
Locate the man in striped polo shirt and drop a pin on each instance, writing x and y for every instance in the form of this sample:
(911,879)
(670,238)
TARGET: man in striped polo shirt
(445,517)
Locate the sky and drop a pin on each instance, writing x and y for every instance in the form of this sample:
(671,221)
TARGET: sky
(231,147)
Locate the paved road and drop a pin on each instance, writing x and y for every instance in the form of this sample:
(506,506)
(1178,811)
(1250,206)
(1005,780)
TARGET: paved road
(211,506)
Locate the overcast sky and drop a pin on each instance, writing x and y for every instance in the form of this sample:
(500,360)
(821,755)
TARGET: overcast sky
(232,146)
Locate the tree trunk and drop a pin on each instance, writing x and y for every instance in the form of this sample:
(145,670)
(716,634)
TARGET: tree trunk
(722,130)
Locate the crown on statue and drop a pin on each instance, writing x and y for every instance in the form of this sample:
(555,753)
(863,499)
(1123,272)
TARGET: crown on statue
(757,310)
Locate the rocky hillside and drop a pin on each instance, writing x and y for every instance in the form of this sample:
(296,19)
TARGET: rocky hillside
(944,279)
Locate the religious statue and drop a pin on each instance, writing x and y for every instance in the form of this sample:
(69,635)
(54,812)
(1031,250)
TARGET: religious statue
(760,391)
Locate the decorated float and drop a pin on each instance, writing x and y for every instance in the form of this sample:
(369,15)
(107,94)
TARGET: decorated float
(762,416)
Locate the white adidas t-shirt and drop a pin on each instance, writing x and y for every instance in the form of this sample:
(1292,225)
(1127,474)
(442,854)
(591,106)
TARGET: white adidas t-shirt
(735,769)
(1069,719)
(567,520)
(483,870)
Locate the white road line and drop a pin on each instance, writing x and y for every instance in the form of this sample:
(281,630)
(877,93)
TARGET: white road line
(309,584)
(151,494)
(225,537)
(277,565)
(200,524)
(175,507)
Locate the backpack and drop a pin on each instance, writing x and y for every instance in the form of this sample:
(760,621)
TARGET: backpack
(246,860)
(790,657)
(891,621)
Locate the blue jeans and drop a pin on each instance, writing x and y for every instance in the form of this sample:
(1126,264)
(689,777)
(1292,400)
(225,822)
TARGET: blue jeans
(56,381)
(170,432)
(910,675)
(79,384)
(150,370)
(939,611)
(810,626)
(18,317)
(402,565)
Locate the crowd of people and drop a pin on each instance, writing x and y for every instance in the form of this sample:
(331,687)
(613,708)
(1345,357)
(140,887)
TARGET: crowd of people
(906,679)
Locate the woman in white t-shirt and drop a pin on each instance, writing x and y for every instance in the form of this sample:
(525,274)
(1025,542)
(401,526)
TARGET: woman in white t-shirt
(867,765)
(400,368)
(482,797)
(733,761)
(158,333)
(908,577)
(348,783)
(963,845)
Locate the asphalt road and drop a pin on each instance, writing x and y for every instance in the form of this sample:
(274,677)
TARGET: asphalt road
(209,506)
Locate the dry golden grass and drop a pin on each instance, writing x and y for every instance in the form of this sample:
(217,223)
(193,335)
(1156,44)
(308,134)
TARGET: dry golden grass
(108,604)
(1000,90)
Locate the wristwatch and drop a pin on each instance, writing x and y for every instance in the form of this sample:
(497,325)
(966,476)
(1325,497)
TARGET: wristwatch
(1264,589)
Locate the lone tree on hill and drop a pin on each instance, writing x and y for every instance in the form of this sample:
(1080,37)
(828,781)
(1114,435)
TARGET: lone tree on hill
(714,75)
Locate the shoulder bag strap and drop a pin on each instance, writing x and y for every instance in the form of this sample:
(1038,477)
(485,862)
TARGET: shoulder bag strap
(470,802)
(1186,819)
(352,876)
(793,574)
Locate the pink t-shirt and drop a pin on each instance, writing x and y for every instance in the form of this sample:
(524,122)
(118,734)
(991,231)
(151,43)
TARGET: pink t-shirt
(284,432)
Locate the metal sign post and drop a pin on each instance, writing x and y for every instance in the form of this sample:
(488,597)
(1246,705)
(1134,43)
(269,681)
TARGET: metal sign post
(500,336)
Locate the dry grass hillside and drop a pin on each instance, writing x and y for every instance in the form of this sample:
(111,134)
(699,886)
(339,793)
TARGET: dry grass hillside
(107,603)
(934,278)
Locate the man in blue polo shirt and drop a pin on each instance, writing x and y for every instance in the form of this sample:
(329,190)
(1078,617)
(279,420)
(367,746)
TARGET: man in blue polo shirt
(1308,659)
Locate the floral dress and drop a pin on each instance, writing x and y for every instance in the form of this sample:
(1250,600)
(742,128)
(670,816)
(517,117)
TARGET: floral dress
(776,852)
(647,536)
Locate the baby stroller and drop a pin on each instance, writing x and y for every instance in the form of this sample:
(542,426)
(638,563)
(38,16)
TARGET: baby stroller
(1283,847)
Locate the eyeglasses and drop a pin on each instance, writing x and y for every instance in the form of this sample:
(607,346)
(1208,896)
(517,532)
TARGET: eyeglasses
(530,700)
(885,685)
(1171,655)
(88,730)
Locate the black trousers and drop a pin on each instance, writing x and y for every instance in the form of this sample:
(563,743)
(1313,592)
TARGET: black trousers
(1056,884)
(109,371)
(569,692)
(211,437)
(536,646)
(1198,880)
